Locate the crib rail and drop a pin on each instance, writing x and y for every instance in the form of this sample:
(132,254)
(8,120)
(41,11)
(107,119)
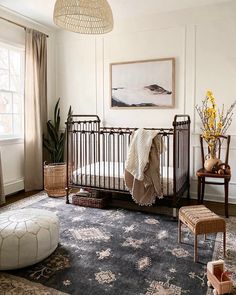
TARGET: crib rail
(96,155)
(181,149)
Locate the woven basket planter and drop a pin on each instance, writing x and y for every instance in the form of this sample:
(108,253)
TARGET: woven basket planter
(55,179)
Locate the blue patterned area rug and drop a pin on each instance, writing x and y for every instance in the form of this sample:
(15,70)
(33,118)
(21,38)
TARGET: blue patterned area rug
(115,252)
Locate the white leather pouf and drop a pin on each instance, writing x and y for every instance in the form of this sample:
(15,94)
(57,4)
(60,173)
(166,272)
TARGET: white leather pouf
(27,236)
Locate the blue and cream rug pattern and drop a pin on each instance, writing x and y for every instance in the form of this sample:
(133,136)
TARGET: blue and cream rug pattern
(116,252)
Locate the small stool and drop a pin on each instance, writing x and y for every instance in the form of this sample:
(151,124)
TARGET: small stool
(201,220)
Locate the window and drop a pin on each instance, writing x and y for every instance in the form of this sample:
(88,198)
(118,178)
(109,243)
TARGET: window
(11,91)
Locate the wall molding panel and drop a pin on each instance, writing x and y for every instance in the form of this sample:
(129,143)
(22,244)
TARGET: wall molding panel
(203,61)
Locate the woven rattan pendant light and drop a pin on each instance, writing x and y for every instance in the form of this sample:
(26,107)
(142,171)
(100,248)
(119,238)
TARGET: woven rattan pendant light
(84,16)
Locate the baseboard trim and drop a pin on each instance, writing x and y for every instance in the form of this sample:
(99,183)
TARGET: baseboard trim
(214,198)
(12,187)
(18,185)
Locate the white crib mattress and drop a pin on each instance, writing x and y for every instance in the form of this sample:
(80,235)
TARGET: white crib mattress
(89,175)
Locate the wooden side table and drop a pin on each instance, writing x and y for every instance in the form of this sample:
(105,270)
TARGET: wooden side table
(201,220)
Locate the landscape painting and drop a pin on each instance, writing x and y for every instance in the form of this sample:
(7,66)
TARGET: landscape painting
(144,84)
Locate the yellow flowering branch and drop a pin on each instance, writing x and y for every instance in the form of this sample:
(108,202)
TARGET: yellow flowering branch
(214,121)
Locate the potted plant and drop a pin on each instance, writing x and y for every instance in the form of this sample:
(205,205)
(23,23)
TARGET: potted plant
(55,172)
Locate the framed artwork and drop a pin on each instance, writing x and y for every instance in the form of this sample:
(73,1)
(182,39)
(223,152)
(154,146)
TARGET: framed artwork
(143,84)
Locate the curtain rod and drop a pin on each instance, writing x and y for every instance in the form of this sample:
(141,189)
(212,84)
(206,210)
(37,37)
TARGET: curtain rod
(17,24)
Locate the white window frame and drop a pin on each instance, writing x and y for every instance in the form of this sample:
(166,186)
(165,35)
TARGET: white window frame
(19,47)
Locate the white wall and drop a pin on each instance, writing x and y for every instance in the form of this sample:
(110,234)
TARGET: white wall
(203,42)
(12,151)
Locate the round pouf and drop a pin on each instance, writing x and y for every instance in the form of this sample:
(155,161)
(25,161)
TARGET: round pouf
(27,236)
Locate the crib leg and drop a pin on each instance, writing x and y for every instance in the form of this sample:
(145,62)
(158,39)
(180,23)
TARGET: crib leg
(188,193)
(174,212)
(67,196)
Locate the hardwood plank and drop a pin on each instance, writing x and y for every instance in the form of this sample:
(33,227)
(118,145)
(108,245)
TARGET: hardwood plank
(216,207)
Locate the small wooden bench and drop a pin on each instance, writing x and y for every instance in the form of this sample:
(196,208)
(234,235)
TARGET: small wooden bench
(201,220)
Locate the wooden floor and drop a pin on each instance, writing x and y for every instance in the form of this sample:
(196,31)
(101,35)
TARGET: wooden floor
(218,208)
(18,196)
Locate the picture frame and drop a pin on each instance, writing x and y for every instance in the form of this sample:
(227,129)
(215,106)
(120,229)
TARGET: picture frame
(143,84)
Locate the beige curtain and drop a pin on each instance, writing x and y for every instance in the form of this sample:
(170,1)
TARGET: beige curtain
(2,195)
(35,107)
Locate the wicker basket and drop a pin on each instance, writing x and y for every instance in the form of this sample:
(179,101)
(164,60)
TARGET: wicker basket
(93,202)
(55,179)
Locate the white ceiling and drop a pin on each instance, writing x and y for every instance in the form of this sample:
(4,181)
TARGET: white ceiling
(42,10)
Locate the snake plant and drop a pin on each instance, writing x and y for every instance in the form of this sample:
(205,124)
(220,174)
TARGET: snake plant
(55,140)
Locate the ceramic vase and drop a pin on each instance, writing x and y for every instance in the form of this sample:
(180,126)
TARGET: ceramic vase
(211,163)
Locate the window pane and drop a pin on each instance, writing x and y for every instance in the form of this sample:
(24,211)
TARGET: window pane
(4,79)
(18,103)
(6,125)
(11,91)
(17,125)
(4,58)
(15,83)
(15,63)
(5,102)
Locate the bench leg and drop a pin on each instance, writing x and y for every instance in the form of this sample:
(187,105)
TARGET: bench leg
(179,227)
(195,248)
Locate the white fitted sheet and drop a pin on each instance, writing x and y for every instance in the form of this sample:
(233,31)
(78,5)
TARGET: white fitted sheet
(89,175)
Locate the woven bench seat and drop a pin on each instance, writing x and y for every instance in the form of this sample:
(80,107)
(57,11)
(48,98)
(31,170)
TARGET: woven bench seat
(201,220)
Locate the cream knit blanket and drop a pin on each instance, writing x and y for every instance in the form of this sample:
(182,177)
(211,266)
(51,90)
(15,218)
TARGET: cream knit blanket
(142,168)
(138,153)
